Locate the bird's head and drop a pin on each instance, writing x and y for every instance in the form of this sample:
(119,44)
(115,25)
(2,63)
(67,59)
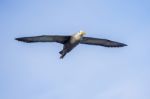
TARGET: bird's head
(82,33)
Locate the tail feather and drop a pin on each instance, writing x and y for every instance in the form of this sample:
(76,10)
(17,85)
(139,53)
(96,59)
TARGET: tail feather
(62,56)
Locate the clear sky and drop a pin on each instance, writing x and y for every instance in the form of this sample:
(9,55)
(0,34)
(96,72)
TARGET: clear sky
(34,71)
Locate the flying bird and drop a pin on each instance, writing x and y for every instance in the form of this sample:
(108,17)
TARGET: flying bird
(71,41)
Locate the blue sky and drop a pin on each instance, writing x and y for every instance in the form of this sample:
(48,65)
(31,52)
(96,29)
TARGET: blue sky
(34,71)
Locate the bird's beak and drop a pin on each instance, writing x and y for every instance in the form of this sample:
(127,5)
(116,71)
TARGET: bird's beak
(82,33)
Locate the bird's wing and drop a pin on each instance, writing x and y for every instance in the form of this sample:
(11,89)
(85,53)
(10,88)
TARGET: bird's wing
(45,38)
(101,42)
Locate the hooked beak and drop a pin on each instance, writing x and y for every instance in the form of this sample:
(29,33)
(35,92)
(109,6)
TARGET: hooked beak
(82,33)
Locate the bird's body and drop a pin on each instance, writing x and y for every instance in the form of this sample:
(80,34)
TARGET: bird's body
(70,42)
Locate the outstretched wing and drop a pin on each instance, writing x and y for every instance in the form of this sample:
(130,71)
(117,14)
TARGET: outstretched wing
(101,42)
(45,38)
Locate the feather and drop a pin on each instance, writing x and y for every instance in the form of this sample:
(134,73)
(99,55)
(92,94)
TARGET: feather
(45,38)
(101,42)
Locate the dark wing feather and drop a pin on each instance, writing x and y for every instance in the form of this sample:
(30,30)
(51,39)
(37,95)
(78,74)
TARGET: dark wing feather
(101,42)
(45,38)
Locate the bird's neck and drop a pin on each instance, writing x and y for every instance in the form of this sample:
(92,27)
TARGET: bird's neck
(78,36)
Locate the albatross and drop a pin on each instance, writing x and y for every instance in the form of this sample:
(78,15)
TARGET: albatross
(71,41)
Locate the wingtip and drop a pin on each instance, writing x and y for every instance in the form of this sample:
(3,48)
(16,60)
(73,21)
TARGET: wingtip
(120,45)
(23,39)
(123,45)
(18,39)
